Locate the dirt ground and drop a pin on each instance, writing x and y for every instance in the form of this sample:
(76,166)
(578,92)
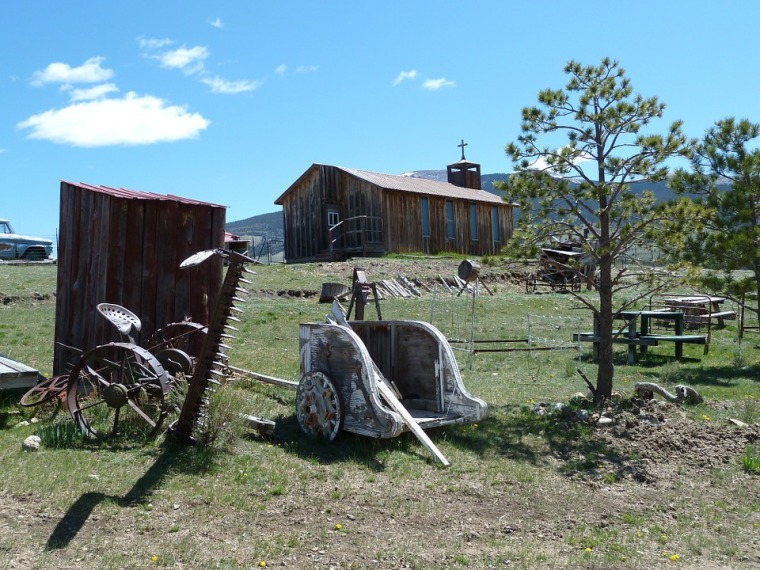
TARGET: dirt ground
(664,466)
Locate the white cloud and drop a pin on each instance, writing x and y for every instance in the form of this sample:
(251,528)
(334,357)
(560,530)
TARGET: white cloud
(131,120)
(281,69)
(153,43)
(219,85)
(404,75)
(189,60)
(97,92)
(436,84)
(89,72)
(217,23)
(306,68)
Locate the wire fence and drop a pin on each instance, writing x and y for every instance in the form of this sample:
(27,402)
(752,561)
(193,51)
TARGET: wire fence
(474,323)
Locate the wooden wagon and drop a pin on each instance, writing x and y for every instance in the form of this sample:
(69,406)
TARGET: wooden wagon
(374,377)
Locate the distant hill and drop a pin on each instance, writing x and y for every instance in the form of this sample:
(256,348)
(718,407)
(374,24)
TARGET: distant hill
(265,225)
(265,233)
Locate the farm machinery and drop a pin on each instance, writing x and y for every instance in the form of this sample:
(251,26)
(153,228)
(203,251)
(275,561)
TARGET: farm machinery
(122,388)
(374,378)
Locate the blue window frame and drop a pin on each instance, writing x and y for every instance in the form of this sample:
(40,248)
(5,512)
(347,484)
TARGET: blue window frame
(474,222)
(450,231)
(425,217)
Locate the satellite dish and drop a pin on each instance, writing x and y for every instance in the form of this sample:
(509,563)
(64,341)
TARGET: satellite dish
(197,258)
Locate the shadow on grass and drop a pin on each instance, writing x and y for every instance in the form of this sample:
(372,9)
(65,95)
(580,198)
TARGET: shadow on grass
(517,433)
(347,448)
(171,459)
(510,432)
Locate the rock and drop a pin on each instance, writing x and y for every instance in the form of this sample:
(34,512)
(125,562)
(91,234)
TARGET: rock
(582,415)
(31,443)
(605,421)
(736,422)
(539,410)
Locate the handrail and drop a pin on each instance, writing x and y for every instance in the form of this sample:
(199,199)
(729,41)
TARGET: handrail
(362,230)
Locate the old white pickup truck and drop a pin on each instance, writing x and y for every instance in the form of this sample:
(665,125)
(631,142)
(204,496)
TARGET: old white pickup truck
(15,246)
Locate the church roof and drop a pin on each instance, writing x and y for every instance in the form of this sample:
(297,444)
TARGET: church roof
(410,184)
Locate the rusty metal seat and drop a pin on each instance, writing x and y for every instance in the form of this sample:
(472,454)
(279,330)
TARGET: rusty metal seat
(123,319)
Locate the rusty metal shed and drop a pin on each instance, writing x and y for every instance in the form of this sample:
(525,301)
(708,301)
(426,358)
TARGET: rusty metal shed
(124,247)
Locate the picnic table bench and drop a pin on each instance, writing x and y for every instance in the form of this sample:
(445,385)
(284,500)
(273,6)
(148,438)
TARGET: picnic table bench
(642,337)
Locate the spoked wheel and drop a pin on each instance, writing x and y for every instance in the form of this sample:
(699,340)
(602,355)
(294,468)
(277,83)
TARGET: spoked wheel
(177,345)
(118,389)
(319,409)
(47,397)
(45,391)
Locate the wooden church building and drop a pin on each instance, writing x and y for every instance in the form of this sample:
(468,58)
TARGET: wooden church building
(334,212)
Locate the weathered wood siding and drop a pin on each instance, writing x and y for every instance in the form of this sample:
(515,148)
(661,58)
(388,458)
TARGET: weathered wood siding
(127,251)
(403,225)
(305,217)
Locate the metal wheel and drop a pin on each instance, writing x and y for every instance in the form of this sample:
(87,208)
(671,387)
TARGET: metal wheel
(118,389)
(45,391)
(319,408)
(177,345)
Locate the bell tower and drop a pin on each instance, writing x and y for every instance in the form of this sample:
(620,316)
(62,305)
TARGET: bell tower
(464,173)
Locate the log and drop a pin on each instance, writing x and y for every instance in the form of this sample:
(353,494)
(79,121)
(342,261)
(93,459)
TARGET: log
(683,393)
(468,270)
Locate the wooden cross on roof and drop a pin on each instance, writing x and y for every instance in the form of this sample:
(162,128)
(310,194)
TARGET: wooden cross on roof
(462,145)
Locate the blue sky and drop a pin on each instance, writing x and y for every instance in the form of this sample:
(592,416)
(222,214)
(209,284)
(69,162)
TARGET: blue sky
(230,102)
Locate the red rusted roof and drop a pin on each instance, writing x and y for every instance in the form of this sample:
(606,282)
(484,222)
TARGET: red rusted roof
(139,194)
(413,185)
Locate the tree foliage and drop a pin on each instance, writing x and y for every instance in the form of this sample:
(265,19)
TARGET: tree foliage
(725,182)
(580,186)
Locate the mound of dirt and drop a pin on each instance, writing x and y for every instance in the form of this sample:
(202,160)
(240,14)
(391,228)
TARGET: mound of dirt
(657,442)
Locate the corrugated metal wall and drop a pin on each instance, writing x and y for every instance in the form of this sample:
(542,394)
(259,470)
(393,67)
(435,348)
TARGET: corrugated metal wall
(125,247)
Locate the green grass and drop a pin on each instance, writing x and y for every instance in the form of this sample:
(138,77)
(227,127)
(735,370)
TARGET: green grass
(512,476)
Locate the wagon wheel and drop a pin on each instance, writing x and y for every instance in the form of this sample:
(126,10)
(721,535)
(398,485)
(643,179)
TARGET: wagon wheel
(177,345)
(45,391)
(530,283)
(46,398)
(118,389)
(319,408)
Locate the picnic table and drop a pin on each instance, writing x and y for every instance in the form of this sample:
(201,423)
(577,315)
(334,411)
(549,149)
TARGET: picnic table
(700,309)
(638,333)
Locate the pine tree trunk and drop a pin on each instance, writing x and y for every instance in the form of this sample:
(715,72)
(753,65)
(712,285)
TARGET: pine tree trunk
(606,370)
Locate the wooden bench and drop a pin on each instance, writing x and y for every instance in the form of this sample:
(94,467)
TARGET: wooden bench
(678,340)
(638,341)
(690,338)
(632,343)
(706,318)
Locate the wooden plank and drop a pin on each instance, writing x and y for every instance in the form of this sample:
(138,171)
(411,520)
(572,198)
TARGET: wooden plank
(397,406)
(290,384)
(16,375)
(388,394)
